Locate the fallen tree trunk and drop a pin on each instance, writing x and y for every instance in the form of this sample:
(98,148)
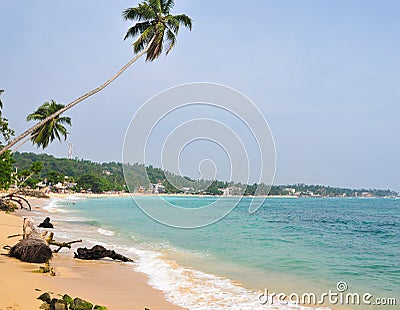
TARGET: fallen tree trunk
(98,252)
(31,251)
(34,248)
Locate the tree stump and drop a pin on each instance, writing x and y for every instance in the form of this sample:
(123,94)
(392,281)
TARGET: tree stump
(31,251)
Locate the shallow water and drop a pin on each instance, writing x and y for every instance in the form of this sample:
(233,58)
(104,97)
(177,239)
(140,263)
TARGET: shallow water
(289,245)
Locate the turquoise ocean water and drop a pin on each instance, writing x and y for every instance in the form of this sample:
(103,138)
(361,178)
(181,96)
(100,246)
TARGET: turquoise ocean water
(289,245)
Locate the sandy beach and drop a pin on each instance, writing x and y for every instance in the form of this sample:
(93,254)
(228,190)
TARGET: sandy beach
(108,283)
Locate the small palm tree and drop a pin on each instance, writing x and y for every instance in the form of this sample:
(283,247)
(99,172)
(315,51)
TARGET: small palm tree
(157,30)
(53,128)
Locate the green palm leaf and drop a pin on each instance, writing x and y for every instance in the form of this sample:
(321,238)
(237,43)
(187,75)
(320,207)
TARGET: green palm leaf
(167,6)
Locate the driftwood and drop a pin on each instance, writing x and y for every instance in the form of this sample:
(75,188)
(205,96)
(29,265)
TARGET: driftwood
(12,197)
(98,252)
(51,241)
(31,251)
(34,247)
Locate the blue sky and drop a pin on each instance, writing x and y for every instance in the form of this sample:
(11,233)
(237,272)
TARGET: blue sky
(325,74)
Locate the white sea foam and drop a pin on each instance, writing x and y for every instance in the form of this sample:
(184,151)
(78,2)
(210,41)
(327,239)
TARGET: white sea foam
(55,206)
(186,287)
(73,198)
(106,232)
(194,289)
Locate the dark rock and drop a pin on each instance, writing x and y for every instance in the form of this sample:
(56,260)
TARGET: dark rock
(46,223)
(68,299)
(45,297)
(97,307)
(45,306)
(98,252)
(58,304)
(80,304)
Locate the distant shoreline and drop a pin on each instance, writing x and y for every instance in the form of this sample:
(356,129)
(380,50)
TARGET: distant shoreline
(108,195)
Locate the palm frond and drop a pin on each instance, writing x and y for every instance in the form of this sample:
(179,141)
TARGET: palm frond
(171,40)
(143,40)
(156,6)
(184,20)
(138,28)
(62,130)
(65,120)
(57,133)
(142,12)
(172,23)
(167,6)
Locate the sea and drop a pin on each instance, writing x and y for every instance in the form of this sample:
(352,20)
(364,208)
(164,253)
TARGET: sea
(287,249)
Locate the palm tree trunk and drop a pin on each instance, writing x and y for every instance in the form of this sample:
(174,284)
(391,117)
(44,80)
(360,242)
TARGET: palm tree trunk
(76,101)
(15,147)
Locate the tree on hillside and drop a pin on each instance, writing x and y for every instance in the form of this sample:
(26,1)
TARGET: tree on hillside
(6,160)
(95,183)
(6,170)
(157,30)
(54,177)
(5,130)
(52,129)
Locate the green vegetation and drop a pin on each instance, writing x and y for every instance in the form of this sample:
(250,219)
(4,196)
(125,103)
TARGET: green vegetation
(109,177)
(5,130)
(97,177)
(6,169)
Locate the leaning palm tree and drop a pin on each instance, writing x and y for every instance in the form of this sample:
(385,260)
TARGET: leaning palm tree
(156,30)
(53,128)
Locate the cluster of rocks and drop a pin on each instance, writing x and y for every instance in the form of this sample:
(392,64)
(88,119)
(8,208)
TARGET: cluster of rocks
(66,303)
